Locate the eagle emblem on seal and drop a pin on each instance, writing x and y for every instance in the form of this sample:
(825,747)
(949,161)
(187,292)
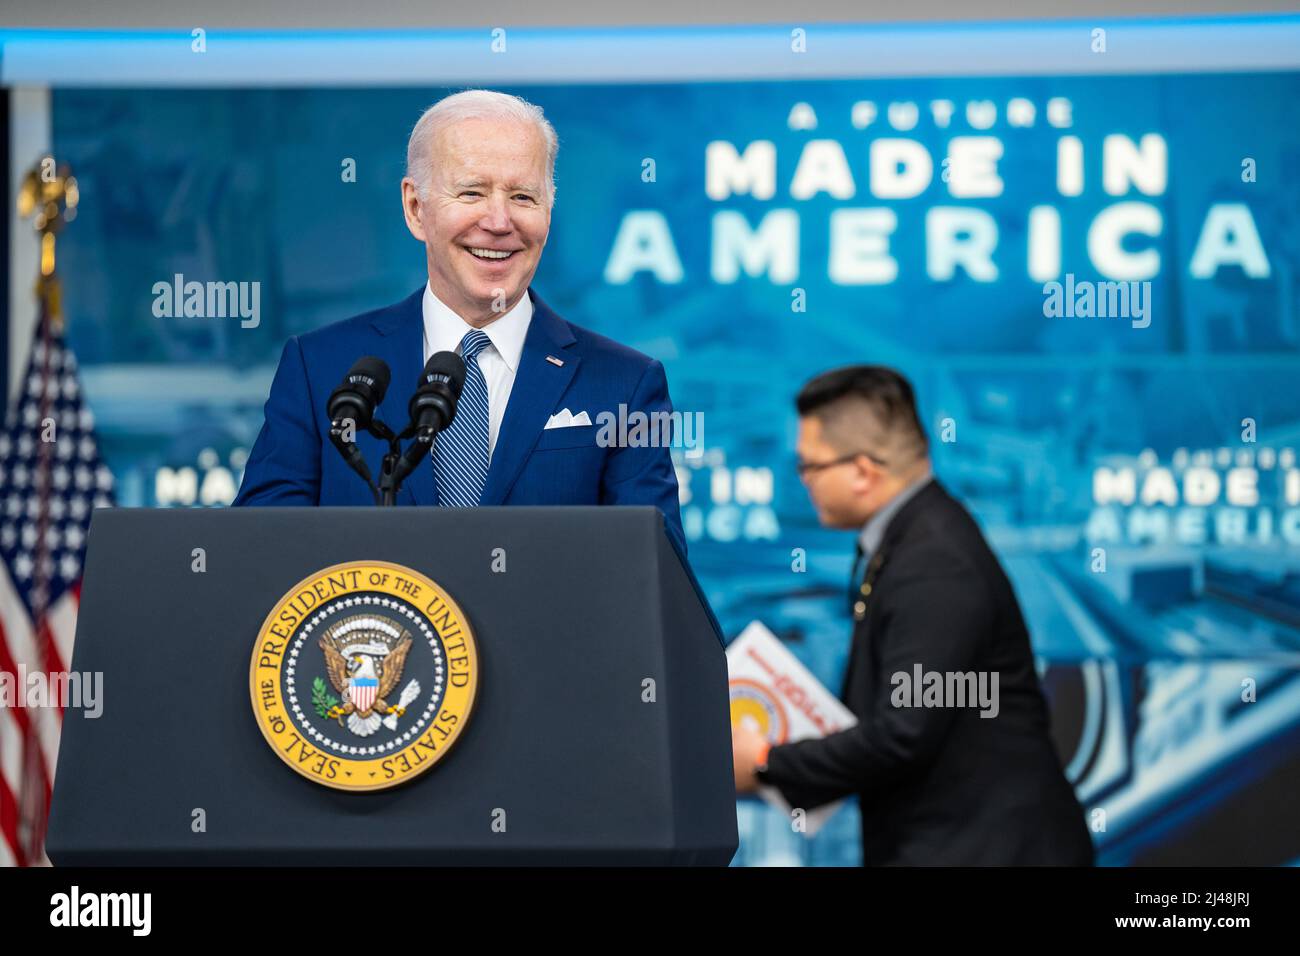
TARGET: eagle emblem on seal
(364,659)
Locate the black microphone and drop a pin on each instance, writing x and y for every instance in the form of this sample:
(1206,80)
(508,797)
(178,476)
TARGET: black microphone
(355,401)
(433,405)
(360,393)
(432,408)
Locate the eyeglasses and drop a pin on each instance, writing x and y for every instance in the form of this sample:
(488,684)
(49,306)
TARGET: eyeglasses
(805,468)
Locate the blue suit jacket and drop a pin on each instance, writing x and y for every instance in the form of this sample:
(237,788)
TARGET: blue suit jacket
(294,463)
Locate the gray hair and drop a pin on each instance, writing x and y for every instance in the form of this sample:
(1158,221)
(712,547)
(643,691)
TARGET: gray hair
(475,104)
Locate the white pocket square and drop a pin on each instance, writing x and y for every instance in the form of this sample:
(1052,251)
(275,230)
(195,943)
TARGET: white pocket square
(566,419)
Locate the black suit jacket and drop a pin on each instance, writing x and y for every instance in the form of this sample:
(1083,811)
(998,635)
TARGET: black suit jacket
(941,785)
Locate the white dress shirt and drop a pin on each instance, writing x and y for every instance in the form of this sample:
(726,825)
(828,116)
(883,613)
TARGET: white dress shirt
(443,330)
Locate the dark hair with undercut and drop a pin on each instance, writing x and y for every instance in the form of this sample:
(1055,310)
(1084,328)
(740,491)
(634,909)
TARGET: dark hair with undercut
(867,407)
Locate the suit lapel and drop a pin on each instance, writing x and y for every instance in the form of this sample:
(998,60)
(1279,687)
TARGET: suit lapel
(867,589)
(864,592)
(401,345)
(538,386)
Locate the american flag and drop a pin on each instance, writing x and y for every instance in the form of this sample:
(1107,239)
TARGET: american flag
(51,478)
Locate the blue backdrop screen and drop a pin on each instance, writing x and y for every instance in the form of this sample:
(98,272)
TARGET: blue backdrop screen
(1092,282)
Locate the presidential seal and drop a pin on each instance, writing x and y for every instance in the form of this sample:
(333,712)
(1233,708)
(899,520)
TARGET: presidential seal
(363,675)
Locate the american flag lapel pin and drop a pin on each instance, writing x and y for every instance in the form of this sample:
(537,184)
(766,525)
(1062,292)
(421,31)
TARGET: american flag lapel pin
(558,363)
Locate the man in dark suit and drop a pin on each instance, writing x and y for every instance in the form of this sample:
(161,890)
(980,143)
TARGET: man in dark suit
(534,423)
(951,760)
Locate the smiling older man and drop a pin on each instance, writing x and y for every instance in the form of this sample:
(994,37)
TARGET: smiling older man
(479,191)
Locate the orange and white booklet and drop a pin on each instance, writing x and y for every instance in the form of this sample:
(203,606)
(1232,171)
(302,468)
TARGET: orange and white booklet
(774,693)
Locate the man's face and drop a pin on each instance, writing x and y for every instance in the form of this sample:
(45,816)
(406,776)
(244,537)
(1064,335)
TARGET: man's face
(486,193)
(842,493)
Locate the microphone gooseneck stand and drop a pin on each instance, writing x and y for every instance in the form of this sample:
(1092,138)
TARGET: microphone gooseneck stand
(351,453)
(397,464)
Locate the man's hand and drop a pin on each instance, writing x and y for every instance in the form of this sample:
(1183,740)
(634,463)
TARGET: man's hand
(748,750)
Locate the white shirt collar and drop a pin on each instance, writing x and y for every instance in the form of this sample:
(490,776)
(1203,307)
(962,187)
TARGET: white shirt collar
(443,328)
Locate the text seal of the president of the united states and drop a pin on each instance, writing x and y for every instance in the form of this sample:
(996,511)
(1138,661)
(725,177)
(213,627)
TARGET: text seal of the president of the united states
(363,675)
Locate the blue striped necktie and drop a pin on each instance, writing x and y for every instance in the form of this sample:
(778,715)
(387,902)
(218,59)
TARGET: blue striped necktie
(460,454)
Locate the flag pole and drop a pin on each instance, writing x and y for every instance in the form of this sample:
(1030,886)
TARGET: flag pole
(48,196)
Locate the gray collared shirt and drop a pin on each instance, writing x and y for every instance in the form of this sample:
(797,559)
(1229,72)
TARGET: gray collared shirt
(874,530)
